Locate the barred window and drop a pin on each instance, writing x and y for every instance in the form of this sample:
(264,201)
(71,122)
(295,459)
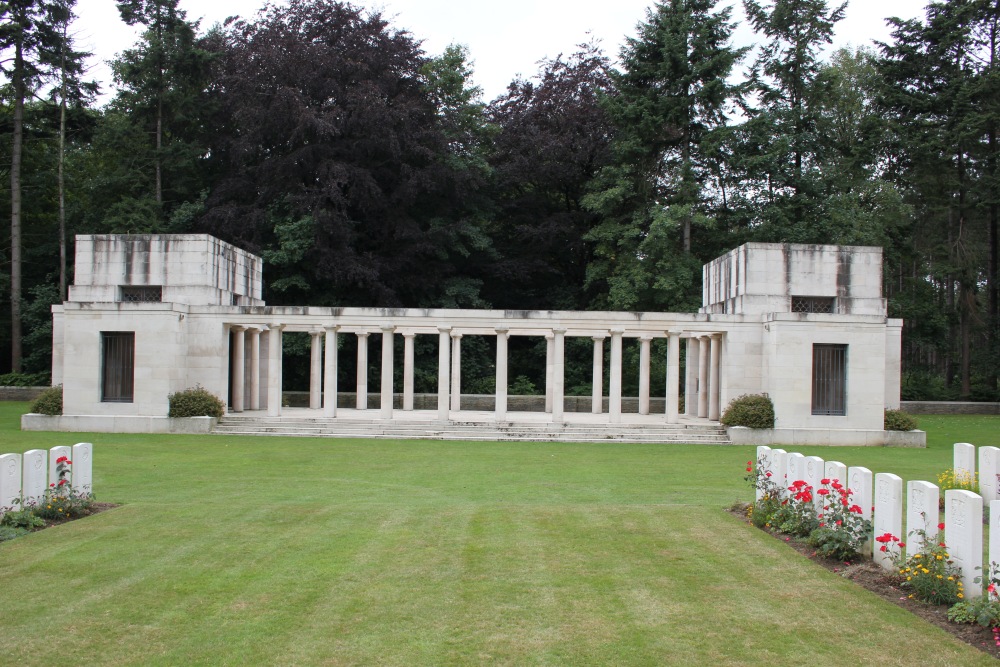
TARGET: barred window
(829,380)
(813,304)
(140,294)
(117,366)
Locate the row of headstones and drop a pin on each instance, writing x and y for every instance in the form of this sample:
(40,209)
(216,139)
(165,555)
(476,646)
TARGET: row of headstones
(24,478)
(880,498)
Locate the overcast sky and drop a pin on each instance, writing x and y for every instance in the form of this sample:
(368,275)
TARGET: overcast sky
(505,39)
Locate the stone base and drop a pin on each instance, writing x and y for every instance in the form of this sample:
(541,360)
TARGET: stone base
(741,435)
(117,424)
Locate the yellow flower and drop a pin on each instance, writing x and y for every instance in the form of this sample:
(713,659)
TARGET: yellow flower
(951,578)
(909,578)
(917,556)
(940,577)
(940,557)
(960,596)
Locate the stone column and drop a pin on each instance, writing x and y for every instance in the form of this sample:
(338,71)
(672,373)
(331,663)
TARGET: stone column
(691,378)
(274,370)
(615,378)
(254,368)
(597,392)
(673,375)
(330,372)
(387,393)
(444,355)
(558,373)
(361,401)
(713,377)
(500,406)
(549,350)
(408,371)
(239,368)
(315,370)
(703,350)
(456,371)
(645,343)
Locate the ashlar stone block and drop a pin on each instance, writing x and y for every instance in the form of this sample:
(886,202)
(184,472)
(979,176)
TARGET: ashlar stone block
(10,482)
(888,516)
(921,515)
(963,526)
(34,476)
(989,474)
(83,467)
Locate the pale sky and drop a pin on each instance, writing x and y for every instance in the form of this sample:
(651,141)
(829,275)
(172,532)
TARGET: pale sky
(505,39)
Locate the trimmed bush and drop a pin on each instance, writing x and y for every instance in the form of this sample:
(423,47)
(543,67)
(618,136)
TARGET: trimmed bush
(49,402)
(196,402)
(750,410)
(25,380)
(898,420)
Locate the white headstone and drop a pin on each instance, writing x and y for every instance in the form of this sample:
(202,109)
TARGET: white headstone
(779,469)
(34,475)
(965,460)
(814,471)
(83,467)
(763,466)
(860,484)
(921,514)
(55,454)
(963,533)
(994,538)
(989,474)
(10,482)
(888,516)
(796,469)
(835,470)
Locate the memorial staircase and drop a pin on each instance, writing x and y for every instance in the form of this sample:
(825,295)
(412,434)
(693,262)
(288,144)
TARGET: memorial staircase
(519,427)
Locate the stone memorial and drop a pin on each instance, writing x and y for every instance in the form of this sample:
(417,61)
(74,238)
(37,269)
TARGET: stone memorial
(989,474)
(56,453)
(965,460)
(814,470)
(764,466)
(795,469)
(888,515)
(83,467)
(994,553)
(860,479)
(10,482)
(921,514)
(835,470)
(34,475)
(779,469)
(963,526)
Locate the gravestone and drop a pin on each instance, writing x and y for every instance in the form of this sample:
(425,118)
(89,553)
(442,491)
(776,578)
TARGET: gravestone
(888,516)
(34,476)
(921,514)
(83,467)
(861,489)
(814,471)
(835,470)
(963,532)
(10,482)
(965,460)
(779,469)
(994,536)
(796,469)
(54,454)
(763,466)
(989,474)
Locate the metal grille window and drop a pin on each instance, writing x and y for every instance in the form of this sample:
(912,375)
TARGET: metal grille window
(117,366)
(143,294)
(829,380)
(813,304)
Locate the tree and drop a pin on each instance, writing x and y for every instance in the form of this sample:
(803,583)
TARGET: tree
(31,42)
(670,102)
(333,158)
(552,138)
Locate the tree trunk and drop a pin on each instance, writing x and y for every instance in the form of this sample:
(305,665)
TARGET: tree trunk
(17,79)
(61,176)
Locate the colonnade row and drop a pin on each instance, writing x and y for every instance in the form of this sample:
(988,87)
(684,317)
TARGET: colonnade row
(701,382)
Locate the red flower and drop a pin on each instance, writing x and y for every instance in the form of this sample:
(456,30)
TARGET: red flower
(940,526)
(882,548)
(825,480)
(52,484)
(837,485)
(61,459)
(941,544)
(767,474)
(821,524)
(839,522)
(61,482)
(856,509)
(823,492)
(902,544)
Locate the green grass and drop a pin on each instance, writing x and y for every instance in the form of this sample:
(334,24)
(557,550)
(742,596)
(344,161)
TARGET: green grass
(233,551)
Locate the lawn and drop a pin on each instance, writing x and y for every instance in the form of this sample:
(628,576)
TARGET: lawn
(283,551)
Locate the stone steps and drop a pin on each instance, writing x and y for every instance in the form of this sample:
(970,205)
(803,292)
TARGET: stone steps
(472,430)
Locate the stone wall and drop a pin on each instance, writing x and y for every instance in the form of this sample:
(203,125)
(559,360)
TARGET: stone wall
(950,408)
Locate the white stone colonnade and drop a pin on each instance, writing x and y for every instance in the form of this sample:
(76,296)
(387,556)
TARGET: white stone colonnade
(701,382)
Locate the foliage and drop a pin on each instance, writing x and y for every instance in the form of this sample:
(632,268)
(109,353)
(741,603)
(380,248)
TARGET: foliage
(843,530)
(983,610)
(769,491)
(958,479)
(61,501)
(899,420)
(750,410)
(195,402)
(24,379)
(24,518)
(931,575)
(797,515)
(49,402)
(10,533)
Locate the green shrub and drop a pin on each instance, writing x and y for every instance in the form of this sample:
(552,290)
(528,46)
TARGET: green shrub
(196,402)
(899,420)
(750,410)
(9,533)
(25,380)
(49,402)
(23,518)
